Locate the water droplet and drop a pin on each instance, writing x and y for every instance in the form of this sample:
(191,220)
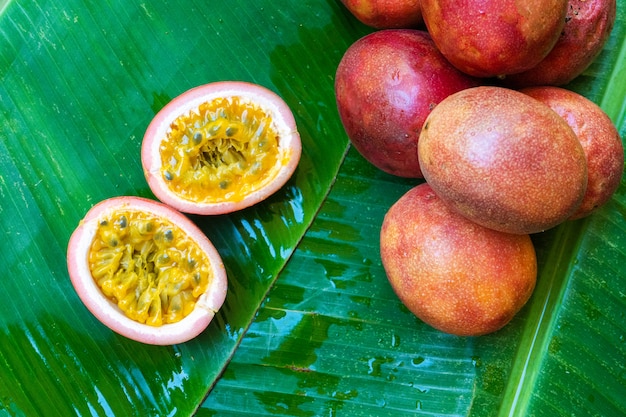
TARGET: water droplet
(395,340)
(375,365)
(345,395)
(417,361)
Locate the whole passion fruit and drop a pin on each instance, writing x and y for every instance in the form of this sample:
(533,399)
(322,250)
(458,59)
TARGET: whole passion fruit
(452,273)
(599,138)
(588,26)
(146,271)
(386,14)
(386,84)
(503,159)
(494,38)
(220,147)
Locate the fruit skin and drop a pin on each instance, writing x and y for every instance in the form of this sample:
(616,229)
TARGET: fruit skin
(599,138)
(588,26)
(283,118)
(454,274)
(386,84)
(494,38)
(107,312)
(386,14)
(503,159)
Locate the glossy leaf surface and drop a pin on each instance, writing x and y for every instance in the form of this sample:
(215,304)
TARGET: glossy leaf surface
(80,83)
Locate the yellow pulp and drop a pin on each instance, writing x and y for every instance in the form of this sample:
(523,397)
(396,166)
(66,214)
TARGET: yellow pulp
(149,267)
(223,151)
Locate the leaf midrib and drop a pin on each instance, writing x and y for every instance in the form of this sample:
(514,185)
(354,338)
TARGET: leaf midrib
(552,284)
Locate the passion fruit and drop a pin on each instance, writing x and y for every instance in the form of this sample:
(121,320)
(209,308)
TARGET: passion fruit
(146,271)
(452,273)
(588,25)
(503,159)
(220,147)
(599,138)
(386,84)
(386,14)
(494,38)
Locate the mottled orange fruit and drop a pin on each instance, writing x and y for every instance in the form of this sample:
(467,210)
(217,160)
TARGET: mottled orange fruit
(599,138)
(494,38)
(588,26)
(386,14)
(453,274)
(503,160)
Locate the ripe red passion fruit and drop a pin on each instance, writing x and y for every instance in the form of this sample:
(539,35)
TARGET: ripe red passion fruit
(386,14)
(503,159)
(220,147)
(588,25)
(599,138)
(146,271)
(452,273)
(494,38)
(386,84)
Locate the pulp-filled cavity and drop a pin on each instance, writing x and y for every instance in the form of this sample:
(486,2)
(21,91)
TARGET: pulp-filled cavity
(148,266)
(222,151)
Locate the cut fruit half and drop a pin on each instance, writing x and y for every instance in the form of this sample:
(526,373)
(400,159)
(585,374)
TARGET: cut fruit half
(146,271)
(220,147)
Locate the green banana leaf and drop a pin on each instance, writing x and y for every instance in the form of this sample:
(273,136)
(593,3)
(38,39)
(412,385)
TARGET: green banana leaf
(310,326)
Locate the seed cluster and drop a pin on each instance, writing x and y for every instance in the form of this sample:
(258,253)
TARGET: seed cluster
(223,151)
(148,267)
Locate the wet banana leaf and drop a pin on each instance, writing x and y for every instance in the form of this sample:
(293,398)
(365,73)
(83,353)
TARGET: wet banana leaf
(80,83)
(313,326)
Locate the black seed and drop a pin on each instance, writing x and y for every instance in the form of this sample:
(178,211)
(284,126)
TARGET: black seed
(231,131)
(197,138)
(224,185)
(145,227)
(123,222)
(168,175)
(168,235)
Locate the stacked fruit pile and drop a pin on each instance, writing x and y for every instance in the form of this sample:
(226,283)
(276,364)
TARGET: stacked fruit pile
(472,97)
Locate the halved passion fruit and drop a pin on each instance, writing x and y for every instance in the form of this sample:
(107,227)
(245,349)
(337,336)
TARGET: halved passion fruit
(220,147)
(146,271)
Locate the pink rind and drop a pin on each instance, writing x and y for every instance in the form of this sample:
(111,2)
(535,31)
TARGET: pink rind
(107,312)
(281,114)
